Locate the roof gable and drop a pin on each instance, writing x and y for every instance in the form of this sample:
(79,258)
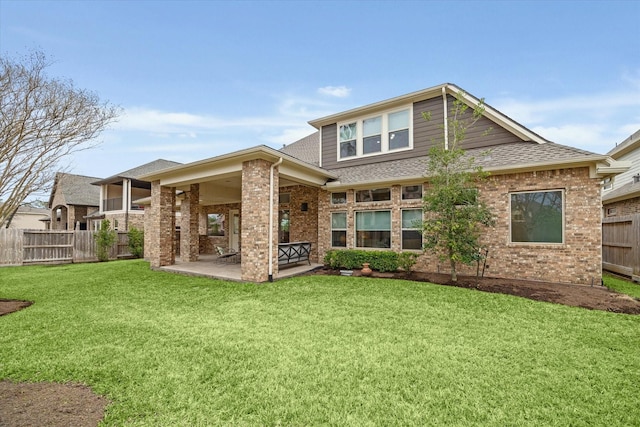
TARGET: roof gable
(75,190)
(431,93)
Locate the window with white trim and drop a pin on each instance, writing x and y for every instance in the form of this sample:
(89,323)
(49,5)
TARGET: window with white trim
(383,133)
(339,229)
(537,217)
(411,232)
(373,229)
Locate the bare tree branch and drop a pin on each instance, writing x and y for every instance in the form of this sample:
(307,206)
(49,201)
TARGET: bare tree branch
(42,121)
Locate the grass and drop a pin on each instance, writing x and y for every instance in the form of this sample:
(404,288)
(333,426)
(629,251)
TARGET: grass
(620,285)
(171,350)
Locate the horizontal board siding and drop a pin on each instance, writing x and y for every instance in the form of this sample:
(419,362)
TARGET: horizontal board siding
(330,146)
(426,133)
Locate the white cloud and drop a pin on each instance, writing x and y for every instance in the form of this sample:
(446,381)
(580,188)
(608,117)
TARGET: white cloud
(337,91)
(594,122)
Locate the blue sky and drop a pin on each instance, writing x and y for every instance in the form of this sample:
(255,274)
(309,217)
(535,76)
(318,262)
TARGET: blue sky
(202,78)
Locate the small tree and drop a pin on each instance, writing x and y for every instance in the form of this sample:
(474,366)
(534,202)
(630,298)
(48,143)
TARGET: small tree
(105,238)
(136,242)
(455,212)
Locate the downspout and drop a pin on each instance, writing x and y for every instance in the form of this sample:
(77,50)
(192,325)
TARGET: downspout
(273,166)
(446,119)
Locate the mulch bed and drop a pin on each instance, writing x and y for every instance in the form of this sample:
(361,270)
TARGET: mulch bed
(62,405)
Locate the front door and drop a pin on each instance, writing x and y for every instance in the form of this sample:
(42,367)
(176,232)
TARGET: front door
(234,230)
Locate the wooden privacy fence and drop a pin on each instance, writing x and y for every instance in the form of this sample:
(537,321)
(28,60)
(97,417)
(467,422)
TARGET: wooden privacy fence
(20,247)
(621,245)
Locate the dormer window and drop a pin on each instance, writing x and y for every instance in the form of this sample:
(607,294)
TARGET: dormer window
(375,135)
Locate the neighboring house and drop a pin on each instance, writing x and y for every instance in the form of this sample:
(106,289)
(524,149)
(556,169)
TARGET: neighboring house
(30,218)
(72,200)
(621,195)
(120,195)
(358,183)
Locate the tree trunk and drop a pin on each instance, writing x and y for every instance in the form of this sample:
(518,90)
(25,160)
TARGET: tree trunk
(454,275)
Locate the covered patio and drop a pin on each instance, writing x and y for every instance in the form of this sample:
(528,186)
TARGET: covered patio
(246,187)
(206,266)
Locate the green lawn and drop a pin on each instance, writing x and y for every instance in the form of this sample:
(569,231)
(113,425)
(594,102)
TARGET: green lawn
(171,350)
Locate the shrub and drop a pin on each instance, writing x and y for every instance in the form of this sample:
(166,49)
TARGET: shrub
(406,261)
(354,258)
(136,242)
(105,238)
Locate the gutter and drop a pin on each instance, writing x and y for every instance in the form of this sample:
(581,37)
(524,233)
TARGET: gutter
(446,118)
(271,169)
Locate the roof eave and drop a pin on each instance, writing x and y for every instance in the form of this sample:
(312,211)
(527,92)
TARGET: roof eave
(237,157)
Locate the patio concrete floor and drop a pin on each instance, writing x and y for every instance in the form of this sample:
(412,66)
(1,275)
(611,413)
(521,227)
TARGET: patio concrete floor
(209,266)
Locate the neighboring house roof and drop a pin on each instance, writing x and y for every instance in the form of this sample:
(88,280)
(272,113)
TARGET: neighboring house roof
(30,210)
(625,186)
(629,144)
(627,191)
(137,172)
(75,190)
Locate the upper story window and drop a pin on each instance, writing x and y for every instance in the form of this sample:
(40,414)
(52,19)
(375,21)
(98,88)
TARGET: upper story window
(375,135)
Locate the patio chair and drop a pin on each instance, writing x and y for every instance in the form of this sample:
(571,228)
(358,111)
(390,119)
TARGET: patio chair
(227,256)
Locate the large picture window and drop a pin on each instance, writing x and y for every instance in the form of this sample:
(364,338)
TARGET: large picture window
(376,135)
(373,229)
(411,232)
(339,229)
(537,217)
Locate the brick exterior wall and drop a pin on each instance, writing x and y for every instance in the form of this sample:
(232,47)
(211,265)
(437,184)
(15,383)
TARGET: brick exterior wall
(189,227)
(578,260)
(255,221)
(160,229)
(303,224)
(623,207)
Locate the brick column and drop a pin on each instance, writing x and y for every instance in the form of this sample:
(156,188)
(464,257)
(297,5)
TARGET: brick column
(161,225)
(189,213)
(255,221)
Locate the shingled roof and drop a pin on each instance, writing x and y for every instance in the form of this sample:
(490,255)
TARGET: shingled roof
(139,171)
(75,190)
(305,149)
(503,158)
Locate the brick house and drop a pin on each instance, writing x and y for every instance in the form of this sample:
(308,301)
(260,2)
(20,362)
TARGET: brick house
(358,181)
(119,195)
(72,200)
(621,195)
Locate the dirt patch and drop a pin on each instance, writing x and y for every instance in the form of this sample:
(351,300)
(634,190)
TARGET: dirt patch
(46,404)
(49,405)
(53,405)
(9,306)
